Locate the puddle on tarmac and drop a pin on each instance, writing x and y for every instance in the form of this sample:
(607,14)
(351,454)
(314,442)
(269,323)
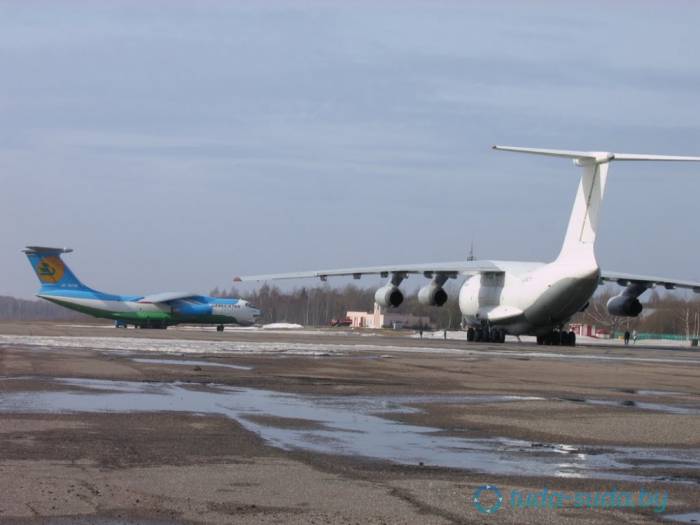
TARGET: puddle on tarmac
(628,403)
(352,425)
(688,517)
(188,362)
(94,520)
(659,393)
(669,409)
(654,407)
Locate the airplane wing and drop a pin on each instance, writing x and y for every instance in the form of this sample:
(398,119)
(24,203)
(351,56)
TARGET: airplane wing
(167,297)
(450,269)
(626,279)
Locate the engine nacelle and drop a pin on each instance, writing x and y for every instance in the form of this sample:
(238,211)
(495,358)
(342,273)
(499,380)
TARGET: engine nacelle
(388,295)
(432,295)
(624,306)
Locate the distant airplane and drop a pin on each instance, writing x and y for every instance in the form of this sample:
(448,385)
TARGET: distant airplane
(59,285)
(525,298)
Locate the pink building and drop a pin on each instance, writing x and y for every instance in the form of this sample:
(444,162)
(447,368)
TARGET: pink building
(379,318)
(588,329)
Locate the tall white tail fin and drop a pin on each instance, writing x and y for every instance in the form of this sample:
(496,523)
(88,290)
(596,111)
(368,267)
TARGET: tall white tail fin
(583,224)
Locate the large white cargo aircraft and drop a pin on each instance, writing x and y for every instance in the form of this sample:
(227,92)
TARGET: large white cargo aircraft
(525,298)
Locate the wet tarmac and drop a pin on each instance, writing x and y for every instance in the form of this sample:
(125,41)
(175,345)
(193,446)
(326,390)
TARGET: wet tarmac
(641,405)
(188,362)
(204,427)
(75,520)
(359,426)
(687,517)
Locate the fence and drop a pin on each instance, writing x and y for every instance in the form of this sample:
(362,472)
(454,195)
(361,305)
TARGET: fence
(641,336)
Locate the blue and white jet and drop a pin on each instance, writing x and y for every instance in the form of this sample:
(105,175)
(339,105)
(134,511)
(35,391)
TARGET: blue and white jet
(59,285)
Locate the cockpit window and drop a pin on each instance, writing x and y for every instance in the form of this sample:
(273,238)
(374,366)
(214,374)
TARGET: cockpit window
(252,306)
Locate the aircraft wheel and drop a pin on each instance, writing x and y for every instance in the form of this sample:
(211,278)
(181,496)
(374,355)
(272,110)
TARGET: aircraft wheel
(220,328)
(479,335)
(572,339)
(470,334)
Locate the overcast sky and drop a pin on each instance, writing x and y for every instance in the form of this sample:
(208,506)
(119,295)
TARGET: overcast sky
(176,145)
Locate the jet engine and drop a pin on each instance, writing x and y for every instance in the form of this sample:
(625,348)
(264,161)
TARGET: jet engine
(624,306)
(388,295)
(432,295)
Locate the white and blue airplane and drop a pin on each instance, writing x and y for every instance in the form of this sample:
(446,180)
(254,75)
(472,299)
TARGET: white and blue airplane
(527,298)
(59,285)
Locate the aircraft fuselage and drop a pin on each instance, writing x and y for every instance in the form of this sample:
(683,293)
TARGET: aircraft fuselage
(133,310)
(528,298)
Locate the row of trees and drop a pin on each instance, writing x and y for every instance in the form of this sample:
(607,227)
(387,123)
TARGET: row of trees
(317,306)
(12,309)
(663,314)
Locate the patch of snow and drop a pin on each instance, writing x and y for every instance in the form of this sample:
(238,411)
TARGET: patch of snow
(179,346)
(282,326)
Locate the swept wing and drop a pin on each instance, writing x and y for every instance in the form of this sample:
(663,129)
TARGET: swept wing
(626,279)
(449,269)
(167,297)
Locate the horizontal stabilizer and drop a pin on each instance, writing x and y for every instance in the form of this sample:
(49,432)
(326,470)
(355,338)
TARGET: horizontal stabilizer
(568,154)
(595,156)
(636,156)
(46,250)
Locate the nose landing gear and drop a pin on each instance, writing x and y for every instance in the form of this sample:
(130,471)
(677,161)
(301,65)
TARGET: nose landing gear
(486,334)
(219,328)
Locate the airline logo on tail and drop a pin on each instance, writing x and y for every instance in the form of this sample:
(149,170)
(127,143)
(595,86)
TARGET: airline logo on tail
(50,269)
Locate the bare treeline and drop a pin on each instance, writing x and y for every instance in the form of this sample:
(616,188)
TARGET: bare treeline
(12,309)
(318,305)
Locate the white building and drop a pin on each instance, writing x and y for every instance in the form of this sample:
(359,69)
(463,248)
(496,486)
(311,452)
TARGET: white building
(380,318)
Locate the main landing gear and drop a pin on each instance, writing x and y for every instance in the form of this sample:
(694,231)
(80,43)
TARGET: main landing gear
(486,334)
(156,325)
(557,338)
(219,328)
